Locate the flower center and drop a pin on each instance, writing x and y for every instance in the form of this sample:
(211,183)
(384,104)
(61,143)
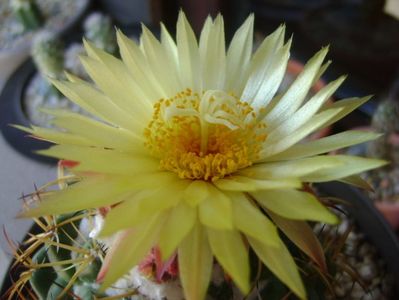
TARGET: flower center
(204,136)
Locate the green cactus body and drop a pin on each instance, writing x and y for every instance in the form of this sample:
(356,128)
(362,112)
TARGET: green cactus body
(99,30)
(28,14)
(42,276)
(48,282)
(48,55)
(66,235)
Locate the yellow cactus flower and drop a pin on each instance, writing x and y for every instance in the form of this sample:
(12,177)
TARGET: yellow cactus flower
(194,150)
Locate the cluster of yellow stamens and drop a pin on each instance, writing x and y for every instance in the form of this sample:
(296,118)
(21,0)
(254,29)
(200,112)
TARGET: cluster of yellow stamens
(204,136)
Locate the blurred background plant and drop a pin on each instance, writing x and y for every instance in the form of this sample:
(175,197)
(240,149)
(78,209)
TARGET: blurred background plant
(27,13)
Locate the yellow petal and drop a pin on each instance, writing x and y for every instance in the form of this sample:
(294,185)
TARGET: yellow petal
(96,103)
(273,76)
(89,193)
(357,181)
(279,261)
(139,67)
(195,263)
(293,204)
(73,78)
(142,205)
(321,71)
(302,235)
(131,96)
(196,192)
(55,136)
(351,165)
(163,69)
(169,46)
(250,221)
(215,211)
(259,65)
(324,145)
(291,168)
(318,121)
(239,55)
(232,254)
(187,48)
(241,183)
(179,223)
(119,86)
(296,93)
(304,113)
(131,249)
(348,105)
(102,160)
(101,134)
(213,54)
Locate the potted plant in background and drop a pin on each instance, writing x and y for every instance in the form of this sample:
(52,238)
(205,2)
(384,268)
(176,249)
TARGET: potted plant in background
(28,92)
(233,181)
(22,18)
(385,180)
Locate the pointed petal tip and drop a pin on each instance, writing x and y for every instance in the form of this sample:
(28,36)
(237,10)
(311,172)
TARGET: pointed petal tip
(21,215)
(29,213)
(20,127)
(250,18)
(332,219)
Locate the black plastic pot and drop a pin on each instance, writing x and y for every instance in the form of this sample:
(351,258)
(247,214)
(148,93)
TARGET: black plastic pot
(11,112)
(369,220)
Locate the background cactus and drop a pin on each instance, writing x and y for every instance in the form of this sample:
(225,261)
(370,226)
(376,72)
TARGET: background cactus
(48,54)
(386,120)
(28,14)
(99,30)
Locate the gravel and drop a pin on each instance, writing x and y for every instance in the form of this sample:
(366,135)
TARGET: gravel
(374,280)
